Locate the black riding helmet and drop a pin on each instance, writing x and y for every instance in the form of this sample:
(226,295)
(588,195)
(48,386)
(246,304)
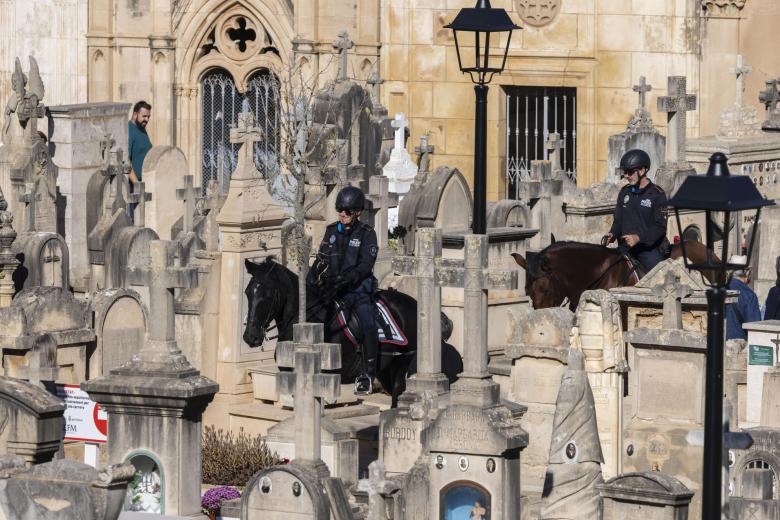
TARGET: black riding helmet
(634,159)
(350,198)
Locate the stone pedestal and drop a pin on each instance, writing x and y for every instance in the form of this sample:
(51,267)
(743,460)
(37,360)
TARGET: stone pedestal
(645,495)
(75,143)
(761,358)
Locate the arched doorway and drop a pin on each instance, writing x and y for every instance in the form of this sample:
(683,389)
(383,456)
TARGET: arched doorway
(221,102)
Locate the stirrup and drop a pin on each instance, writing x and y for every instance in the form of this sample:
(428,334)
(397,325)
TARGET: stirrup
(363,385)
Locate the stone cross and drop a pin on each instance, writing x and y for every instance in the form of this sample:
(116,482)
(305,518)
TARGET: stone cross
(475,385)
(400,124)
(114,170)
(246,134)
(381,201)
(189,195)
(422,266)
(643,88)
(555,144)
(672,292)
(776,343)
(211,203)
(41,362)
(425,151)
(308,356)
(676,105)
(375,486)
(375,81)
(140,197)
(28,199)
(741,71)
(161,275)
(343,44)
(771,96)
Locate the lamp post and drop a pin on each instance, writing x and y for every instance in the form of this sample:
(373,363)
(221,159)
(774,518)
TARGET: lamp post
(718,194)
(473,27)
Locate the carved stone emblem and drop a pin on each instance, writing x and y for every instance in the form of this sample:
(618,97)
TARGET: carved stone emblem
(538,13)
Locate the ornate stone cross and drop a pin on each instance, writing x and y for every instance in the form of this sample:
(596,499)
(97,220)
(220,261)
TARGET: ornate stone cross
(246,134)
(28,199)
(400,124)
(375,81)
(676,105)
(140,197)
(189,195)
(114,170)
(343,44)
(555,144)
(425,151)
(308,356)
(381,201)
(643,88)
(741,71)
(162,276)
(672,292)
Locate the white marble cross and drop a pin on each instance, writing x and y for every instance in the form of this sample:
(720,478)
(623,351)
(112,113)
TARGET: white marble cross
(343,44)
(643,88)
(140,197)
(400,124)
(308,356)
(741,71)
(189,195)
(676,104)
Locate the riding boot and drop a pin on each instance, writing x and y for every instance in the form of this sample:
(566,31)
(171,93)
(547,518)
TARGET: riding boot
(364,382)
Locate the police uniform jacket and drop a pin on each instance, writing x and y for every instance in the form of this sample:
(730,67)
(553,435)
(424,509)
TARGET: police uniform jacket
(346,255)
(642,212)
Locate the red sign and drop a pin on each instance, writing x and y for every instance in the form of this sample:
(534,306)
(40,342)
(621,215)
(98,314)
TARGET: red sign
(84,419)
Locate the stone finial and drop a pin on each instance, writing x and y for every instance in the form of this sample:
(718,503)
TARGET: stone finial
(342,45)
(309,356)
(677,103)
(189,195)
(246,134)
(642,88)
(140,197)
(554,145)
(425,151)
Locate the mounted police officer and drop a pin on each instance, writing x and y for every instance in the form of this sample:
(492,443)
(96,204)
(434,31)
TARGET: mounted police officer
(639,222)
(344,267)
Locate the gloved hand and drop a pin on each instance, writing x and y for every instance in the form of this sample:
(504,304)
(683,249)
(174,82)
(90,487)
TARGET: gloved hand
(607,239)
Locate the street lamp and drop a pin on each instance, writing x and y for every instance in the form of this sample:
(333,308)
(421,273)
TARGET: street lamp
(472,29)
(718,194)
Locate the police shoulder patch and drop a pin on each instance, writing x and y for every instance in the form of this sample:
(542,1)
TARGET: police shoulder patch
(626,198)
(332,239)
(373,250)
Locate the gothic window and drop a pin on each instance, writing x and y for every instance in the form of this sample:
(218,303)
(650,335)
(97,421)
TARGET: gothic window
(221,103)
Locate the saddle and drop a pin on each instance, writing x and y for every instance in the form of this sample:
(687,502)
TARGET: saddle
(388,331)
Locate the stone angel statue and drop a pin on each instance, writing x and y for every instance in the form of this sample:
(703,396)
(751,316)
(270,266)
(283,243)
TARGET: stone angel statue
(26,99)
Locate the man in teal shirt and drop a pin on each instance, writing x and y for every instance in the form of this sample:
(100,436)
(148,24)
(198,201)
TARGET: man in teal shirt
(138,144)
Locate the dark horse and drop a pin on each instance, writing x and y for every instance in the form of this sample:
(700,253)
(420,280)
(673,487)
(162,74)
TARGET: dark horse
(272,295)
(562,271)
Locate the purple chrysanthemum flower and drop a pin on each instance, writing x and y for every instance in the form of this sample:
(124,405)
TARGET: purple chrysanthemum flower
(212,499)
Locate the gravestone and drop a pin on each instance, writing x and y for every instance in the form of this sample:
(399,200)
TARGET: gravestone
(164,168)
(41,366)
(588,212)
(62,490)
(119,319)
(640,133)
(770,98)
(158,390)
(677,103)
(33,421)
(648,494)
(76,134)
(574,470)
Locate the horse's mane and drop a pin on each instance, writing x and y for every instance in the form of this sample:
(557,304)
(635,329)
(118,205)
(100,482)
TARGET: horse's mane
(535,261)
(571,244)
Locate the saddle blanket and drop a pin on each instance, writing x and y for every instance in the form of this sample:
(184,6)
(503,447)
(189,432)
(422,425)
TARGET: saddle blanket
(388,330)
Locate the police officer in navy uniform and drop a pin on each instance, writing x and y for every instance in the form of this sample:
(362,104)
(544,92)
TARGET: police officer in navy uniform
(639,222)
(344,268)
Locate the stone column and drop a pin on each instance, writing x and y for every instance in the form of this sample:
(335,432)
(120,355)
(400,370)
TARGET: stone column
(75,134)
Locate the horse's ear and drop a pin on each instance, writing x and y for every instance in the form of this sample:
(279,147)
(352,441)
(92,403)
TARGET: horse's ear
(270,259)
(251,267)
(552,238)
(520,260)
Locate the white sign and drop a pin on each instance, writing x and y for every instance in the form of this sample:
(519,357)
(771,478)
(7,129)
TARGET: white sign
(84,419)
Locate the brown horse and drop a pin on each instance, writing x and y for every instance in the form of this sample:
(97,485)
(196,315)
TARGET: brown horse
(562,271)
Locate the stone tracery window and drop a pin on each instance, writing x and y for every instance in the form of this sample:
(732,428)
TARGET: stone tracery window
(221,102)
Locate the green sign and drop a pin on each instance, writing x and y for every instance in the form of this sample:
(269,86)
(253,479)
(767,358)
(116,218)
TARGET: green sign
(761,355)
